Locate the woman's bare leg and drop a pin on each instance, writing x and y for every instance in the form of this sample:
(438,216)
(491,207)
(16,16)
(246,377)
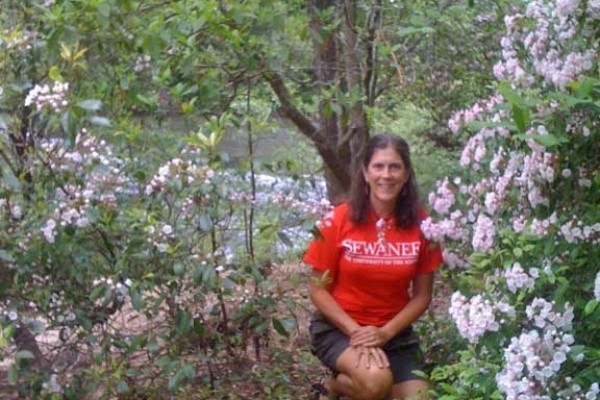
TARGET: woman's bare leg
(359,382)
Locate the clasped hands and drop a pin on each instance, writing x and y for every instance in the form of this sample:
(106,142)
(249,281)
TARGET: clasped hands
(368,342)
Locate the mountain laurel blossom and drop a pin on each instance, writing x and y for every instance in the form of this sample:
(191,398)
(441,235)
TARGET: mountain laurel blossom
(443,198)
(476,316)
(517,278)
(48,97)
(535,357)
(484,233)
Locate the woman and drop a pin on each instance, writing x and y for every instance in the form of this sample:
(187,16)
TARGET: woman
(372,278)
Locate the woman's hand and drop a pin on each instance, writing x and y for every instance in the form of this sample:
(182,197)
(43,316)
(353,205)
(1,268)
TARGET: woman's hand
(369,336)
(371,356)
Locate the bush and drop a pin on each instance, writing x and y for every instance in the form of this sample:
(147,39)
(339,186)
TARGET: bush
(521,226)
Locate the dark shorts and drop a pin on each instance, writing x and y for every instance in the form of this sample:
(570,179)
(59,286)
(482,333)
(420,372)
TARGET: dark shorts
(403,351)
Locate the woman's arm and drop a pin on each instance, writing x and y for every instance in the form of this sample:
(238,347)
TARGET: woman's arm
(422,289)
(319,294)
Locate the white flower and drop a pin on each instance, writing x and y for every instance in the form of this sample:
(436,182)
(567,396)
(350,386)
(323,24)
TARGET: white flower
(167,230)
(12,315)
(162,247)
(16,211)
(49,230)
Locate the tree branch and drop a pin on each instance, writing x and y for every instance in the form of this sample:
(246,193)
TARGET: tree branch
(329,155)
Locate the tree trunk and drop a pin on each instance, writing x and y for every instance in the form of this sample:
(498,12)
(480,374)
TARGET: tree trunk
(357,131)
(340,131)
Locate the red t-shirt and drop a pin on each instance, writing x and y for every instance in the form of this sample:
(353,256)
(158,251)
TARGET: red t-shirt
(371,277)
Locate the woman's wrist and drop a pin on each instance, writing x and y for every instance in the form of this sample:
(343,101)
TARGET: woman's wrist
(384,333)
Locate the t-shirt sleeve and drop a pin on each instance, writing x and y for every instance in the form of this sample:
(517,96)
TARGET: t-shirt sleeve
(430,257)
(430,254)
(322,253)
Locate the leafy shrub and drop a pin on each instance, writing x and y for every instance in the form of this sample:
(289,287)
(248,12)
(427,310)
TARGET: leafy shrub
(521,225)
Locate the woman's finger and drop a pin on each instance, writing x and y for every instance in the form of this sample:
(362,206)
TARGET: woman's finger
(380,357)
(360,352)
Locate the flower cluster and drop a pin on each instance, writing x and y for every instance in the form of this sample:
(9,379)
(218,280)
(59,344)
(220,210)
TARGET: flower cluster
(451,228)
(49,230)
(443,198)
(531,361)
(177,172)
(142,63)
(308,208)
(14,210)
(535,357)
(19,41)
(575,231)
(530,185)
(8,311)
(161,238)
(476,316)
(474,113)
(100,180)
(542,314)
(546,36)
(484,233)
(517,278)
(118,289)
(453,260)
(48,97)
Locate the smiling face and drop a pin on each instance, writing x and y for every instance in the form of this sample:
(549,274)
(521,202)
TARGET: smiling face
(386,175)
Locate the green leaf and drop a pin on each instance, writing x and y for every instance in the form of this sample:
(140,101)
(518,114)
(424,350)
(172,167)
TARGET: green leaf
(137,301)
(279,327)
(144,100)
(12,181)
(187,371)
(65,122)
(97,292)
(585,88)
(183,323)
(521,117)
(549,140)
(511,96)
(100,121)
(179,269)
(198,327)
(36,326)
(104,9)
(518,252)
(5,256)
(54,74)
(13,374)
(90,105)
(590,307)
(205,223)
(122,387)
(3,123)
(414,30)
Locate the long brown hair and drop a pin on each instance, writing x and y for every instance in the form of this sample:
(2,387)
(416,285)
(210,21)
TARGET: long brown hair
(407,204)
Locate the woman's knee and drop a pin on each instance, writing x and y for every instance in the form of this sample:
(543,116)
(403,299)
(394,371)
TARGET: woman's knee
(374,384)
